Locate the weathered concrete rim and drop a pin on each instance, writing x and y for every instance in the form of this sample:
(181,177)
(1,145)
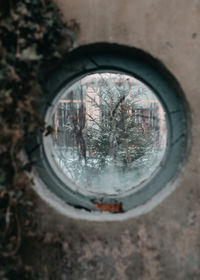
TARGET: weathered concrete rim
(70,212)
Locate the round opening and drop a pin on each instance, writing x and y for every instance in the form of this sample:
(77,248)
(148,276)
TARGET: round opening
(120,134)
(109,136)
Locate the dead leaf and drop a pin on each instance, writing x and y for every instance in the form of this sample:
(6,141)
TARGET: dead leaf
(30,53)
(112,208)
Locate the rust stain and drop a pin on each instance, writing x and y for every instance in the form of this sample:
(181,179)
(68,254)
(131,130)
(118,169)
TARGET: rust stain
(112,208)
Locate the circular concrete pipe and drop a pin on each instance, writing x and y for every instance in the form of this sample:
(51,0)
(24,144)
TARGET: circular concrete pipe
(147,120)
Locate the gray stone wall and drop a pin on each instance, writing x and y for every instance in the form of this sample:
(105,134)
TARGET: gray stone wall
(165,243)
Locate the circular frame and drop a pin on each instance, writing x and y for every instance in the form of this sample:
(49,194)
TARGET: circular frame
(101,58)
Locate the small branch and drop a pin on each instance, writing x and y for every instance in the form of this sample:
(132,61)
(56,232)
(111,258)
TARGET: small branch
(43,3)
(7,216)
(19,238)
(94,121)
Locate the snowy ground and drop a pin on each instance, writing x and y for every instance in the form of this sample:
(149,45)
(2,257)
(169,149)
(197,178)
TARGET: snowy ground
(112,179)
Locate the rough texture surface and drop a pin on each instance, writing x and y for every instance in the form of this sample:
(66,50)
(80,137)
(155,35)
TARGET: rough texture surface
(165,243)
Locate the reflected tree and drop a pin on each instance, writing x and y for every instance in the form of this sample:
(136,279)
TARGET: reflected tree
(103,127)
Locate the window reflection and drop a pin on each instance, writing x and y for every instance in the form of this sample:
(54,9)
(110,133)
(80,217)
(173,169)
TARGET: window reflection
(109,133)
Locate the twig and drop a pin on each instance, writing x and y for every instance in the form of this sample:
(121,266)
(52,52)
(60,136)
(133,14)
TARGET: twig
(7,216)
(19,238)
(94,121)
(43,3)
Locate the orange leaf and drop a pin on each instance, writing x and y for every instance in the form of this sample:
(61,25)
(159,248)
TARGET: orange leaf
(112,208)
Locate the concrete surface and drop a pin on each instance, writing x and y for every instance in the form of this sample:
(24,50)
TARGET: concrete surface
(165,243)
